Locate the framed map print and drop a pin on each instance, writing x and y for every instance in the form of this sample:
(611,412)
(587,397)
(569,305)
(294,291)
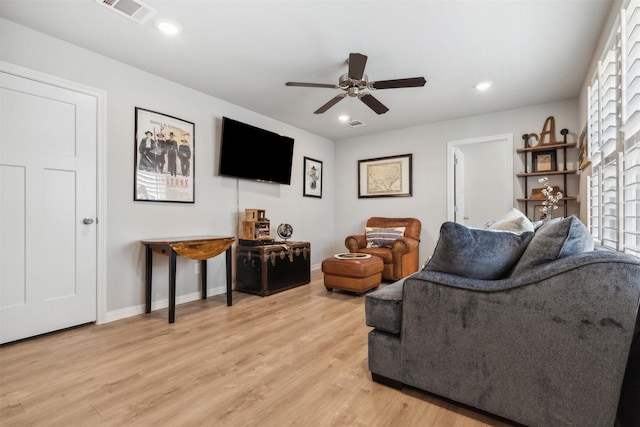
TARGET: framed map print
(385,177)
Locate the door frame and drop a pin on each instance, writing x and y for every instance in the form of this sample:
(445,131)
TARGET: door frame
(507,141)
(101,170)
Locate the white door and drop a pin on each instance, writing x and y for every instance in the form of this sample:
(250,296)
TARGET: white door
(458,183)
(47,208)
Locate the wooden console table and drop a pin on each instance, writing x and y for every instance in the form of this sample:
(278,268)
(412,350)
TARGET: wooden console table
(200,248)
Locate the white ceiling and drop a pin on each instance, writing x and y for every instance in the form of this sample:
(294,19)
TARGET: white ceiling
(535,51)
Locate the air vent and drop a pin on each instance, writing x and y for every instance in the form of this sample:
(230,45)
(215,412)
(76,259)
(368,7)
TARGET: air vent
(132,9)
(356,123)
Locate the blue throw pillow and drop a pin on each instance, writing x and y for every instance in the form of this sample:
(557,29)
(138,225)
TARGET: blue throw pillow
(555,240)
(475,253)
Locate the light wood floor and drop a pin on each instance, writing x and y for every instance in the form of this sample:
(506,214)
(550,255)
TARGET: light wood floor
(297,358)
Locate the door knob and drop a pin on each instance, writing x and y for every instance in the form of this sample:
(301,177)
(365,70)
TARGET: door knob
(88,221)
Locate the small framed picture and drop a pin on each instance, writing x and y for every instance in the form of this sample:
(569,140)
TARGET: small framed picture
(312,178)
(544,161)
(583,153)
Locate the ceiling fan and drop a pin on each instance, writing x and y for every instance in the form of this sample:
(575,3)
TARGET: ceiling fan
(356,84)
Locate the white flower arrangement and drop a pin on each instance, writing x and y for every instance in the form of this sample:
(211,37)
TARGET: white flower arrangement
(551,203)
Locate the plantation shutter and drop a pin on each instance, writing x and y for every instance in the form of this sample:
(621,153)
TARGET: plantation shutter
(630,46)
(606,155)
(594,149)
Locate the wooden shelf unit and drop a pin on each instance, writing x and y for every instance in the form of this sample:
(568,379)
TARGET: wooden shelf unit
(561,170)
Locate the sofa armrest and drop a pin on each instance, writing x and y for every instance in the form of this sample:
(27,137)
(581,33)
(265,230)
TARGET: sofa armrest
(355,242)
(503,345)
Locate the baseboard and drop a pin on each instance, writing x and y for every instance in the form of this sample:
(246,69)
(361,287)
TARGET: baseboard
(123,313)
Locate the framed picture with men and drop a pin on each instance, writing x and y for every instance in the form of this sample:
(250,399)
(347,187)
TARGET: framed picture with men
(164,158)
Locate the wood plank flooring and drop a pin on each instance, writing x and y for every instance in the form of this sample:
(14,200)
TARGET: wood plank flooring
(297,358)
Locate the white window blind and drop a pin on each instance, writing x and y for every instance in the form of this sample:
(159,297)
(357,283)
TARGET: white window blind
(593,133)
(630,44)
(631,191)
(605,116)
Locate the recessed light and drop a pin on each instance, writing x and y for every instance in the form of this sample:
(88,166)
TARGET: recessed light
(344,118)
(482,86)
(168,27)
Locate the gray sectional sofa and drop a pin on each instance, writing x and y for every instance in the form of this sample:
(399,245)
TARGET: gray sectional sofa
(551,338)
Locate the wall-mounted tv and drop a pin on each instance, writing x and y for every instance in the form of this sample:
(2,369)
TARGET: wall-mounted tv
(252,153)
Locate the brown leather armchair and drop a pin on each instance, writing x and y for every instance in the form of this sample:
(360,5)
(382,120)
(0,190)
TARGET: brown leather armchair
(402,258)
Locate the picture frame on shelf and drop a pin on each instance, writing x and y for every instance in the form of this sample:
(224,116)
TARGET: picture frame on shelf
(164,161)
(312,178)
(544,161)
(385,176)
(583,149)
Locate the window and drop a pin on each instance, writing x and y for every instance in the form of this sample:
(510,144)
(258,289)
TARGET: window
(614,137)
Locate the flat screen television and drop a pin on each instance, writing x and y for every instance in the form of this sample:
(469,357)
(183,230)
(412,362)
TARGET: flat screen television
(249,152)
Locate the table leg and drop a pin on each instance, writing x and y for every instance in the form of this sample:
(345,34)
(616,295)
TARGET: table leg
(229,290)
(172,286)
(203,277)
(147,283)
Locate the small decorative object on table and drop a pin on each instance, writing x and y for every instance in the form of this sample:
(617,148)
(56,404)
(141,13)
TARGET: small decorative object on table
(285,231)
(552,199)
(352,255)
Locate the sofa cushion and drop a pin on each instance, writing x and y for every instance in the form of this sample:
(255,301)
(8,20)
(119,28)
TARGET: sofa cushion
(383,308)
(514,221)
(475,253)
(383,237)
(554,240)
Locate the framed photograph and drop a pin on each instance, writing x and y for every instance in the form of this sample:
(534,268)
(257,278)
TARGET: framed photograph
(544,161)
(164,158)
(583,147)
(385,177)
(312,178)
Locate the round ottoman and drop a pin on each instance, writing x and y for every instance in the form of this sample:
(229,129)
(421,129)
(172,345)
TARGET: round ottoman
(355,275)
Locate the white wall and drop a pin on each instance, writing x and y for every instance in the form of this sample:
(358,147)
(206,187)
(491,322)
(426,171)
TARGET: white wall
(324,222)
(217,200)
(428,144)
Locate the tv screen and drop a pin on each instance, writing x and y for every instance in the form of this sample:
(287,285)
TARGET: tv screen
(252,153)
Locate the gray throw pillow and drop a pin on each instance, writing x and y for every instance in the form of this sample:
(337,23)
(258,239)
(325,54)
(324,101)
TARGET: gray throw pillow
(555,240)
(475,253)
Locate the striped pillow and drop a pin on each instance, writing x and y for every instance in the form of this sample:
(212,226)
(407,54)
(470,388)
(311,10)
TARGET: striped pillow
(383,237)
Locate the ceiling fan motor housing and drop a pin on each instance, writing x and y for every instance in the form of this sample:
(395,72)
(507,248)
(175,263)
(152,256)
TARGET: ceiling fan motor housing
(352,86)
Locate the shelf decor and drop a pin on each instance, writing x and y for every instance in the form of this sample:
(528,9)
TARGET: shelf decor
(583,150)
(164,168)
(544,161)
(385,177)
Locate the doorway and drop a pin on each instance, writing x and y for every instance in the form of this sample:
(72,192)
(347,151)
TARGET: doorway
(52,266)
(479,179)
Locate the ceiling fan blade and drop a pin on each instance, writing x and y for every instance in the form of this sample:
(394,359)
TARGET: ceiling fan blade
(330,104)
(399,83)
(374,104)
(329,86)
(357,62)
